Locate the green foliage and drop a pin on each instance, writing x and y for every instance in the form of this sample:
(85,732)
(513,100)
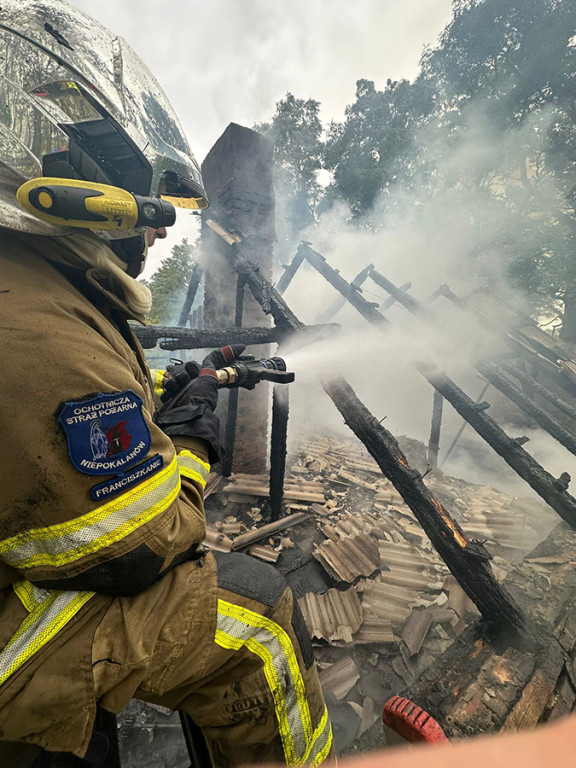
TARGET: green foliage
(374,147)
(295,132)
(488,128)
(169,284)
(511,64)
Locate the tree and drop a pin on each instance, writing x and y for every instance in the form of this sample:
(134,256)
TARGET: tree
(169,283)
(512,64)
(295,132)
(373,149)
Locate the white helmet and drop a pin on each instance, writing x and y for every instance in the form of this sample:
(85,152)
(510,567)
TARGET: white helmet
(78,103)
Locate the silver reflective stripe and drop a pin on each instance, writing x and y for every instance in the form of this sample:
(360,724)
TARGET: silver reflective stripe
(238,627)
(39,627)
(66,542)
(192,467)
(321,742)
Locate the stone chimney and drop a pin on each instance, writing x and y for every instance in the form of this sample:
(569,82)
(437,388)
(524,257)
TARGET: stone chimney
(237,175)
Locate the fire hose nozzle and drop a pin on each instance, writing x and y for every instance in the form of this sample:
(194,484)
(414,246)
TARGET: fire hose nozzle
(247,371)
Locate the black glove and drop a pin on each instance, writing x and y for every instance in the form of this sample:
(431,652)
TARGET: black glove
(182,373)
(219,358)
(190,411)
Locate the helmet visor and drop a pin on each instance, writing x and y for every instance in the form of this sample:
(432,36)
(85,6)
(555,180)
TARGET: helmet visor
(181,192)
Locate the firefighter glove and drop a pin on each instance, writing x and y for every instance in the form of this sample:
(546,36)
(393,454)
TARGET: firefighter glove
(222,357)
(190,410)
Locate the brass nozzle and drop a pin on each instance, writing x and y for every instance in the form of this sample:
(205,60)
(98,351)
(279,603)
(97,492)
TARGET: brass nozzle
(226,376)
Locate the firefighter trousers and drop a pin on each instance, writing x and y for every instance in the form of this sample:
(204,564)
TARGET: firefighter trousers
(236,657)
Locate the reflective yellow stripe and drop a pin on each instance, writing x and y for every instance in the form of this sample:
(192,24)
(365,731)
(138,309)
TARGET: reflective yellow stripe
(194,468)
(158,377)
(39,627)
(238,627)
(66,542)
(30,596)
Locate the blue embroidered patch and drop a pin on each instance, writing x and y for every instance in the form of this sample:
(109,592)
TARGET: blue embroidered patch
(106,435)
(125,481)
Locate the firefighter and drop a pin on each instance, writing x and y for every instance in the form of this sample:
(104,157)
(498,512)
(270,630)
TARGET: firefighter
(105,594)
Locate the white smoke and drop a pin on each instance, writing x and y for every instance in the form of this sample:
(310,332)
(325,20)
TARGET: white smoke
(429,240)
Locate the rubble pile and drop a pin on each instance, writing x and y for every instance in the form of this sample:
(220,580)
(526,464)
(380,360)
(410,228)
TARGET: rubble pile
(379,603)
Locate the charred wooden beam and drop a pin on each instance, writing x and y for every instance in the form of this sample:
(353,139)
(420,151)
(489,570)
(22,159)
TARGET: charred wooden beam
(548,487)
(411,304)
(195,279)
(479,686)
(434,442)
(552,490)
(514,393)
(495,605)
(289,273)
(278,439)
(149,336)
(540,359)
(390,301)
(264,293)
(467,560)
(488,370)
(337,304)
(367,309)
(537,388)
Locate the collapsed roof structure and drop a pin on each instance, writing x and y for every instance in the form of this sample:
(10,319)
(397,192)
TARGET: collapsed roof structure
(513,666)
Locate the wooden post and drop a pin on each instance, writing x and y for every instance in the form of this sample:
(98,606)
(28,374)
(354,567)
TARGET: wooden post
(278,439)
(463,426)
(195,279)
(232,412)
(434,443)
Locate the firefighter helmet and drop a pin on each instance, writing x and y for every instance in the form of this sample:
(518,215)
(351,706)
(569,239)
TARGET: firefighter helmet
(78,103)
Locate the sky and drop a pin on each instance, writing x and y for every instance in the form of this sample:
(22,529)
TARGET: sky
(223,61)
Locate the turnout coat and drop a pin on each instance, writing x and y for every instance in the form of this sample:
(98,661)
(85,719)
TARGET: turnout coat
(95,500)
(104,595)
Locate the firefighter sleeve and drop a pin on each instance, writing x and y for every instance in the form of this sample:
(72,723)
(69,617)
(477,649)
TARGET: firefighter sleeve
(96,496)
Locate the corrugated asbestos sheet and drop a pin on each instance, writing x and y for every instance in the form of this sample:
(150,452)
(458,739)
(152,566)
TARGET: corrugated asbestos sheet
(339,678)
(349,558)
(332,616)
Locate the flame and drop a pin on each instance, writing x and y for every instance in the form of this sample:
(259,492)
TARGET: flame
(458,535)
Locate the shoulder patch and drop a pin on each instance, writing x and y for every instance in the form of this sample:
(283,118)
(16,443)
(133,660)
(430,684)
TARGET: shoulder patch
(106,434)
(123,482)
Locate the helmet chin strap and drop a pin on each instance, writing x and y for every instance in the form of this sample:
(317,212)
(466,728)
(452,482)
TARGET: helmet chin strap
(132,251)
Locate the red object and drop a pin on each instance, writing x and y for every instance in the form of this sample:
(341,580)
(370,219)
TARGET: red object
(119,438)
(208,372)
(412,722)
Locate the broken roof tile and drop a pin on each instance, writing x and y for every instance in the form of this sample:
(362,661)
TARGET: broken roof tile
(263,552)
(332,616)
(375,631)
(349,558)
(415,630)
(340,678)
